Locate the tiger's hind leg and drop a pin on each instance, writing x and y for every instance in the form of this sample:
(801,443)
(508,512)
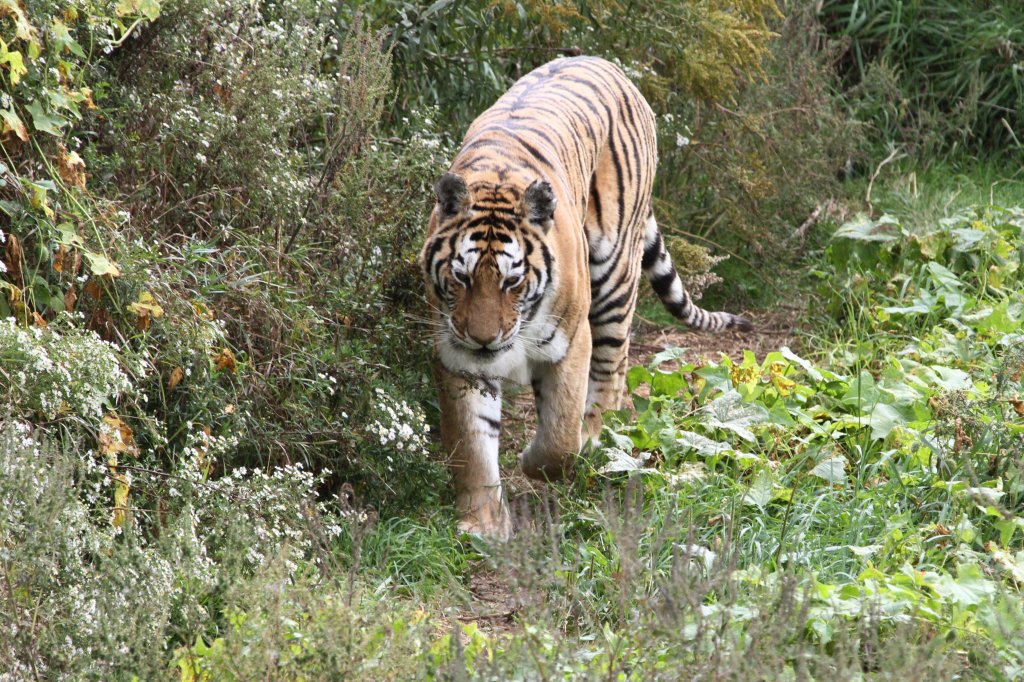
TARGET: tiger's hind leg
(613,300)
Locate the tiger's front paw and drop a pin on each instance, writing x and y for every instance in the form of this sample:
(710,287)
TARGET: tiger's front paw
(487,518)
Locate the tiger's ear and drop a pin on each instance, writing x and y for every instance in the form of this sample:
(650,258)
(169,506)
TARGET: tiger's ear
(539,203)
(452,195)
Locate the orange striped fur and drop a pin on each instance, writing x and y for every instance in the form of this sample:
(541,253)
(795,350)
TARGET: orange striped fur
(532,261)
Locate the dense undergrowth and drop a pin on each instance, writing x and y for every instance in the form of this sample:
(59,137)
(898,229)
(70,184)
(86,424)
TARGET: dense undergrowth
(216,454)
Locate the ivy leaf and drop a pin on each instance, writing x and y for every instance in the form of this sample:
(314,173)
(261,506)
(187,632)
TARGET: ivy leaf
(42,121)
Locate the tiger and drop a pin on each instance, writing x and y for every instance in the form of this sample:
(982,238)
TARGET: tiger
(532,259)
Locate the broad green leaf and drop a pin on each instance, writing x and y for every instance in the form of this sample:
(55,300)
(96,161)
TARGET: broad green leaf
(796,359)
(702,445)
(42,121)
(69,235)
(761,491)
(636,376)
(883,419)
(969,588)
(951,379)
(862,228)
(831,469)
(728,411)
(619,460)
(667,355)
(667,384)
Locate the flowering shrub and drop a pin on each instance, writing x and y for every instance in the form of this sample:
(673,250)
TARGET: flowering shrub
(401,429)
(56,373)
(90,599)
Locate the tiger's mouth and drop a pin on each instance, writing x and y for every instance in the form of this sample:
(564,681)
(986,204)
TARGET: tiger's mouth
(488,353)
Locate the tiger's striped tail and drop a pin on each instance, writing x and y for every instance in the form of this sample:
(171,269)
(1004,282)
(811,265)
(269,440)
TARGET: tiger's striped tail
(661,273)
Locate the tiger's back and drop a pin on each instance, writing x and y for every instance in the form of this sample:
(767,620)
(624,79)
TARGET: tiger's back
(542,228)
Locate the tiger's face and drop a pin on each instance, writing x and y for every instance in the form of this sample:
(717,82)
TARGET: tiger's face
(487,266)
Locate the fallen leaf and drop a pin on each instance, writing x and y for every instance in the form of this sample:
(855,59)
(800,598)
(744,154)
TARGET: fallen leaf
(70,298)
(1018,406)
(93,289)
(38,320)
(176,376)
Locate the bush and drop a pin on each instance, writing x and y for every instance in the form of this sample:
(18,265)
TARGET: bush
(305,257)
(935,76)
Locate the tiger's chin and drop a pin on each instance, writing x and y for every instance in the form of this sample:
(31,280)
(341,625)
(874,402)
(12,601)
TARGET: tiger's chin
(507,363)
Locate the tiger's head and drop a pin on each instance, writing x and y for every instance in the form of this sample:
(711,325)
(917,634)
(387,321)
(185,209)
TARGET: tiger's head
(487,265)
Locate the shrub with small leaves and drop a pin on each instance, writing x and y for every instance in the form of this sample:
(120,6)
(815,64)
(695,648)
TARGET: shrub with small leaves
(59,370)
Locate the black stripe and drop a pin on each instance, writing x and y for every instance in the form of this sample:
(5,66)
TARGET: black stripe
(608,341)
(662,284)
(651,254)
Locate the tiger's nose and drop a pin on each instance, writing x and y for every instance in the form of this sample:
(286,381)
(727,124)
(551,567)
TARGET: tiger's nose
(485,339)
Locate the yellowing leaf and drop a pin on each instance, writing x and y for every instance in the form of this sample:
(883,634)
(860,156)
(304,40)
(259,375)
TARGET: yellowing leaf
(22,29)
(14,61)
(101,265)
(782,384)
(121,490)
(38,200)
(14,124)
(147,309)
(115,437)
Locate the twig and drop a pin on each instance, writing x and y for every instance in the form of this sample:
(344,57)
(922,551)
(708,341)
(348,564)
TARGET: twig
(801,231)
(893,156)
